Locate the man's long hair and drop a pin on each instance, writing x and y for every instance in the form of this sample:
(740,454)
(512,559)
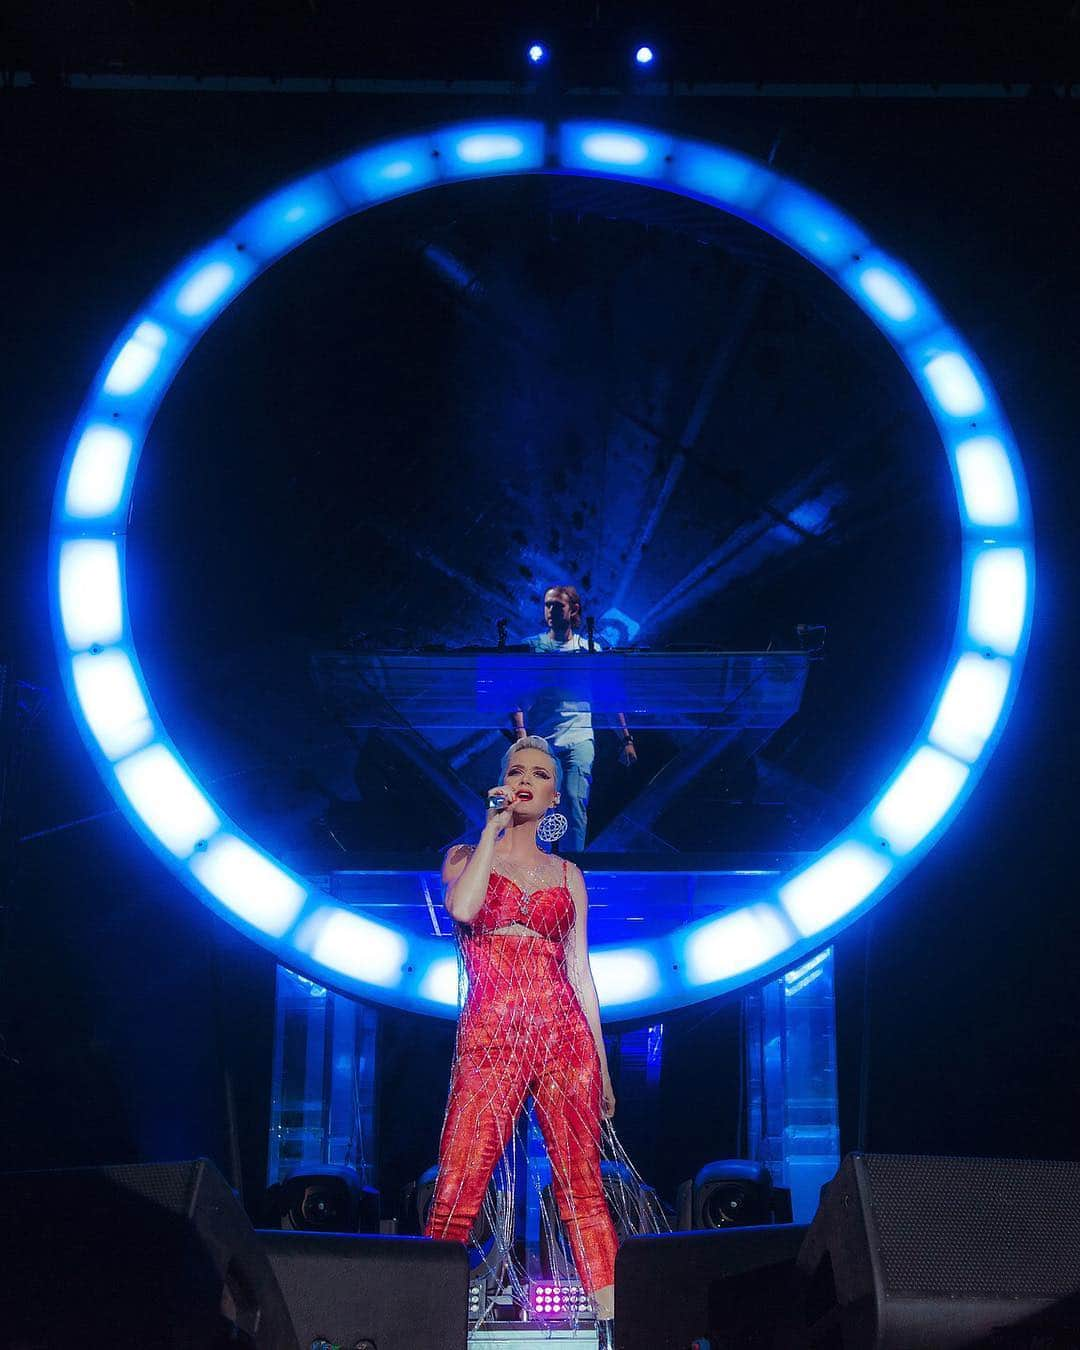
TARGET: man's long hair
(570,595)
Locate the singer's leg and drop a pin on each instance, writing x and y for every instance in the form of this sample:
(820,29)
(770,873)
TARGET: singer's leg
(567,1097)
(486,1095)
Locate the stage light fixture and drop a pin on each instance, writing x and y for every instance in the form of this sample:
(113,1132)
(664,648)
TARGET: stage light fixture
(537,53)
(560,1302)
(322,1199)
(488,1252)
(644,56)
(307,929)
(731,1193)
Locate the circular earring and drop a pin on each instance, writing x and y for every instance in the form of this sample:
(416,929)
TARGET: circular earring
(553,825)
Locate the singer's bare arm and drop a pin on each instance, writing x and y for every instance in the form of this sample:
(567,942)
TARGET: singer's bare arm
(466,871)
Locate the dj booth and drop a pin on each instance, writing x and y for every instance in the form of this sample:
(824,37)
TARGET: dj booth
(474,689)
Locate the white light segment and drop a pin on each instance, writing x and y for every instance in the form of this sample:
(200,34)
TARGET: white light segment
(490,148)
(167,800)
(441,982)
(624,975)
(919,799)
(91,606)
(811,224)
(95,485)
(721,948)
(833,886)
(283,220)
(354,945)
(249,883)
(997,600)
(202,291)
(954,384)
(112,701)
(971,705)
(615,147)
(720,176)
(987,484)
(137,360)
(388,170)
(886,292)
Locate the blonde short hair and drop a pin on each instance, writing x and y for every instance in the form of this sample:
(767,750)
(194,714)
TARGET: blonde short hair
(533,743)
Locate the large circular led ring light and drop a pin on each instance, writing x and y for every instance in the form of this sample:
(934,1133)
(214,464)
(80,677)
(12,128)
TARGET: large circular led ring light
(305,927)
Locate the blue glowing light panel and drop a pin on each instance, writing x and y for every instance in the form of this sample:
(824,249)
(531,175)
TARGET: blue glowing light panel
(322,1102)
(242,881)
(793,1123)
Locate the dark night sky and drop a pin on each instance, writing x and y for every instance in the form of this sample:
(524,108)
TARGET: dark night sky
(355,447)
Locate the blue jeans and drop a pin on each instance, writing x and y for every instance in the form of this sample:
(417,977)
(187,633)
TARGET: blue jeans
(577,762)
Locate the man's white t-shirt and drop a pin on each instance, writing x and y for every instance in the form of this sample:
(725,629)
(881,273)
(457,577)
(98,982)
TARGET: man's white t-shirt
(561,721)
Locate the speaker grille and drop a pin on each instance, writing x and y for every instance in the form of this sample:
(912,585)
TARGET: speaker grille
(170,1186)
(975,1227)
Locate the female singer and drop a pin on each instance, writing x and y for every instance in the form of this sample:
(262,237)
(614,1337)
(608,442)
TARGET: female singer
(530,1023)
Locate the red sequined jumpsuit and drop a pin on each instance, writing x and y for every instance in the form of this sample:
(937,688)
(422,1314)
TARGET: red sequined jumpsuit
(522,1031)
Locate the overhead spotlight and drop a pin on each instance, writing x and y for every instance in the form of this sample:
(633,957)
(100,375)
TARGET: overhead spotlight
(537,53)
(644,56)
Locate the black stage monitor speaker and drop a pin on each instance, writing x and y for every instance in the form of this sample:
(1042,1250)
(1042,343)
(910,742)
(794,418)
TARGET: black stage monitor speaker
(160,1255)
(731,1287)
(907,1252)
(380,1293)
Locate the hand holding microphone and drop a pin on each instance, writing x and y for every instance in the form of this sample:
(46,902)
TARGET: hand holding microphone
(500,802)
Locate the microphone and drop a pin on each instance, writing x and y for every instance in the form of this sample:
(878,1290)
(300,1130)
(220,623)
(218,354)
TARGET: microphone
(500,627)
(590,624)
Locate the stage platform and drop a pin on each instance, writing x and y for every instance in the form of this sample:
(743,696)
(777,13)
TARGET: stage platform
(527,1336)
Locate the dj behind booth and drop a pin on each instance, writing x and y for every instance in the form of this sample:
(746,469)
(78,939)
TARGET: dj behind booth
(449,710)
(563,721)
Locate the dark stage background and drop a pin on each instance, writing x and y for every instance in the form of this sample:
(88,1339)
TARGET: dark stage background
(372,446)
